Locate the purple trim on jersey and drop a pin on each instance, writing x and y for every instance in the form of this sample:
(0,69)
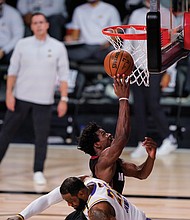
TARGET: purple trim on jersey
(94,188)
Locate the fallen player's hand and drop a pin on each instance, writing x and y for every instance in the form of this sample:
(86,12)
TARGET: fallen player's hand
(16,217)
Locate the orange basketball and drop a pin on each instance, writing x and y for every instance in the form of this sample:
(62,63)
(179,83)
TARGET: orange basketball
(118,62)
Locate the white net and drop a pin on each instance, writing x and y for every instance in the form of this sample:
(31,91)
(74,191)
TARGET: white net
(137,48)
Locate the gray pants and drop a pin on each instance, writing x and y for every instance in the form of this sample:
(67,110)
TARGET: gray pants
(41,116)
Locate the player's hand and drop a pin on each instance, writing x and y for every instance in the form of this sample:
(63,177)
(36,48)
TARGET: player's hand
(14,218)
(121,87)
(150,146)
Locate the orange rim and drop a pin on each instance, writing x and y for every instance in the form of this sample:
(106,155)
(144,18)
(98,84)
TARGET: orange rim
(125,36)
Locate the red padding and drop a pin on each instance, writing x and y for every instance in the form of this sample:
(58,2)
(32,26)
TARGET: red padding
(187,30)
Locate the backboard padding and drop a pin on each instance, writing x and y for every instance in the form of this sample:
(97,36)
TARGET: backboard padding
(154,56)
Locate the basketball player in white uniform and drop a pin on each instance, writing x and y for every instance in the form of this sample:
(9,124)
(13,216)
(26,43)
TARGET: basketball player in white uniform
(93,197)
(98,200)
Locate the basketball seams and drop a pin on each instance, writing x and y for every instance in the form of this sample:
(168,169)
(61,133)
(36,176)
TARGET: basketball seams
(107,64)
(129,66)
(130,63)
(118,62)
(110,63)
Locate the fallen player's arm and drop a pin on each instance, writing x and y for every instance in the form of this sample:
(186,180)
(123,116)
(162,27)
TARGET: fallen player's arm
(39,205)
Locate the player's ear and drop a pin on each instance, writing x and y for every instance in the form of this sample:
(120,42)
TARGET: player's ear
(81,194)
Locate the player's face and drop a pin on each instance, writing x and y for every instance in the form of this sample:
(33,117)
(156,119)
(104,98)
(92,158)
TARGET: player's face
(74,201)
(105,139)
(39,25)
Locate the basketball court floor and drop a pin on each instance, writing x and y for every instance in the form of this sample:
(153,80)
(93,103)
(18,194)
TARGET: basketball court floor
(165,195)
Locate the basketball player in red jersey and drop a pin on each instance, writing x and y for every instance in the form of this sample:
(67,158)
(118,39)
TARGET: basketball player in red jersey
(105,149)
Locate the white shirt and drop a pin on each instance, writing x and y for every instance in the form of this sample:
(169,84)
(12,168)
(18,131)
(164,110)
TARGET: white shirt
(91,20)
(102,192)
(11,28)
(47,7)
(37,64)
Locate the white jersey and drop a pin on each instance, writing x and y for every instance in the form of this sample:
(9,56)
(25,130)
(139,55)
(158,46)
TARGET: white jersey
(102,192)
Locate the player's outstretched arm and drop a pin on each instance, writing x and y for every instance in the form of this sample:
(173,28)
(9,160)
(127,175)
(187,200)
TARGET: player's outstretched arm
(39,205)
(144,170)
(121,88)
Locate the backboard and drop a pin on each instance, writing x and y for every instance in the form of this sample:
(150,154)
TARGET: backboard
(166,48)
(158,43)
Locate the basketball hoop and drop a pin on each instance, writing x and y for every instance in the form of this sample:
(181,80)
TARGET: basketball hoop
(133,39)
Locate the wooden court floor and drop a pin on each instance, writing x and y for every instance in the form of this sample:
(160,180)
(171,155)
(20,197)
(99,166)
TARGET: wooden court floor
(164,195)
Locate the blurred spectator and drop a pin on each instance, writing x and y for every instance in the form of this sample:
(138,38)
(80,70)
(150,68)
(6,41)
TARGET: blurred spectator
(120,5)
(11,30)
(87,23)
(147,99)
(132,5)
(35,64)
(55,11)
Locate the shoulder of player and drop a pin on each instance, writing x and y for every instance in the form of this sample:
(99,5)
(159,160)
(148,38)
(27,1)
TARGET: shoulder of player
(106,154)
(91,181)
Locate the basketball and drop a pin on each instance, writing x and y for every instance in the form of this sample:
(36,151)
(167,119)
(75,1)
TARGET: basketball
(118,62)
